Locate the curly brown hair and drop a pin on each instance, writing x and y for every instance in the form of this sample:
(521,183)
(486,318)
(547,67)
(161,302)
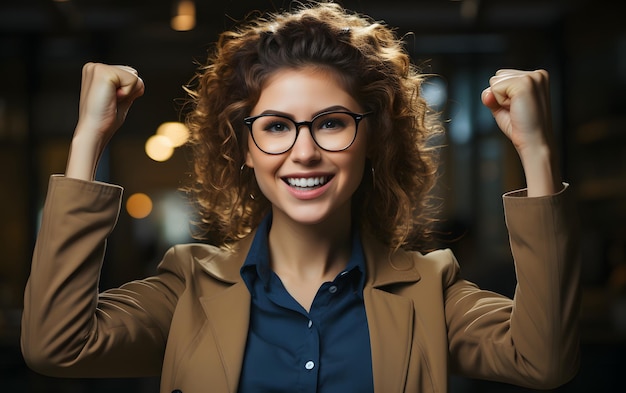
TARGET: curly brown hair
(392,200)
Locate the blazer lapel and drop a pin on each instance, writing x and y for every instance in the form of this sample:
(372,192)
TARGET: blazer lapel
(390,320)
(390,317)
(228,315)
(228,311)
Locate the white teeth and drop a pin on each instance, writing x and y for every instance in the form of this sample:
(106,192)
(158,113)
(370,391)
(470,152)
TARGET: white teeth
(306,182)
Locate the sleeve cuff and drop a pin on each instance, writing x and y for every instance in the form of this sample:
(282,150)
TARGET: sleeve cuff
(522,193)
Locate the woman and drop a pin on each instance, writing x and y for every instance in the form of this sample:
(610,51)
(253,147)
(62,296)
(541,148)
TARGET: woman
(312,168)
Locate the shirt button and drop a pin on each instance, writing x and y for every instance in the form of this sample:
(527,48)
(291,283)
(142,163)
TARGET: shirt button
(332,289)
(310,324)
(309,365)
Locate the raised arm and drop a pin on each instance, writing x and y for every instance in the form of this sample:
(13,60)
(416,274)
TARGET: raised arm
(520,104)
(533,339)
(68,327)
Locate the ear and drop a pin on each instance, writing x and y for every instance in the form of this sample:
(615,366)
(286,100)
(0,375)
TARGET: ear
(249,162)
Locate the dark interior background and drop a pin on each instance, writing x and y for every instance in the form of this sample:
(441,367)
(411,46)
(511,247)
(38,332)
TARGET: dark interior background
(44,43)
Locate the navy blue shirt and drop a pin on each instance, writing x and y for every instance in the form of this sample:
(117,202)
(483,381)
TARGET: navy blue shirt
(291,350)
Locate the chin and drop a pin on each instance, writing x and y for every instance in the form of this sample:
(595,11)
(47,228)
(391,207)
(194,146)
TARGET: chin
(309,219)
(312,215)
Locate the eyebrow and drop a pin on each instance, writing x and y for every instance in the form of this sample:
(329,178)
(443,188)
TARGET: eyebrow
(289,115)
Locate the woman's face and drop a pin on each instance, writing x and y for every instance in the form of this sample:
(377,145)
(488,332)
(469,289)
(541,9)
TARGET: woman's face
(307,184)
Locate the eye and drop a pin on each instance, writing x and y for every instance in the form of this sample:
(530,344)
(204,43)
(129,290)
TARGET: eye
(274,124)
(276,127)
(332,122)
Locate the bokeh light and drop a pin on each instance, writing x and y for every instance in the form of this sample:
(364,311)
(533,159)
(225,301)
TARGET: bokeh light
(139,205)
(159,148)
(176,132)
(185,17)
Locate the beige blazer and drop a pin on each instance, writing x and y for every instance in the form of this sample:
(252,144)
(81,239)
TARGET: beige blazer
(189,321)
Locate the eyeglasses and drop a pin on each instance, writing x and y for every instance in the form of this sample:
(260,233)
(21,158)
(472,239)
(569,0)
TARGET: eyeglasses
(332,131)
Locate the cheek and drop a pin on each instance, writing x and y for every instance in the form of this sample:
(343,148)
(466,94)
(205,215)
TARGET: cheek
(264,166)
(361,152)
(358,171)
(356,168)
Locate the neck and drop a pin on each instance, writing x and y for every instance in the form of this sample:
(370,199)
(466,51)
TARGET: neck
(315,252)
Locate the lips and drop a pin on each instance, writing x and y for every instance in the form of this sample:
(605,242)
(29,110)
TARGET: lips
(307,183)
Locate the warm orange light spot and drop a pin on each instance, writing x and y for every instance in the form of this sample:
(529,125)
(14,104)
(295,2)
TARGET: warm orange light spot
(139,205)
(185,17)
(176,132)
(159,148)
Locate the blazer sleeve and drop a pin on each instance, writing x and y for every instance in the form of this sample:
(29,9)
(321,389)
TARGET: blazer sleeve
(533,339)
(69,329)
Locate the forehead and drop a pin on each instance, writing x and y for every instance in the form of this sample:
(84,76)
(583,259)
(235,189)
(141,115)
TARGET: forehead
(310,87)
(322,72)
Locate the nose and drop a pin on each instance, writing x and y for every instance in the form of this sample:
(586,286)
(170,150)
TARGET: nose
(305,150)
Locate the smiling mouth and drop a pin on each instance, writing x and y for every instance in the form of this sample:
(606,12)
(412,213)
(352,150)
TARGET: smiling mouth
(307,183)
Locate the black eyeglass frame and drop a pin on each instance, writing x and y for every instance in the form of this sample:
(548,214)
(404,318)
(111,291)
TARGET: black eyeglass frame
(356,116)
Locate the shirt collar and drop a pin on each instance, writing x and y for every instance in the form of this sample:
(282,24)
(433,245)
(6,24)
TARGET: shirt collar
(257,262)
(258,258)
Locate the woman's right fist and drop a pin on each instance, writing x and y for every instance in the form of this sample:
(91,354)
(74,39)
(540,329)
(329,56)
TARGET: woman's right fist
(107,92)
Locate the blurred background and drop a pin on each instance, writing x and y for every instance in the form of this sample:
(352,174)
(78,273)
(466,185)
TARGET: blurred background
(582,43)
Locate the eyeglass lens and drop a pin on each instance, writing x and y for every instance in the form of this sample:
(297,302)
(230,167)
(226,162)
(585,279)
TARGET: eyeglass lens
(332,131)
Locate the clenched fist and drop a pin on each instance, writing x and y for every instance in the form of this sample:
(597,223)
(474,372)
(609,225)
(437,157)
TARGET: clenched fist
(107,92)
(520,104)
